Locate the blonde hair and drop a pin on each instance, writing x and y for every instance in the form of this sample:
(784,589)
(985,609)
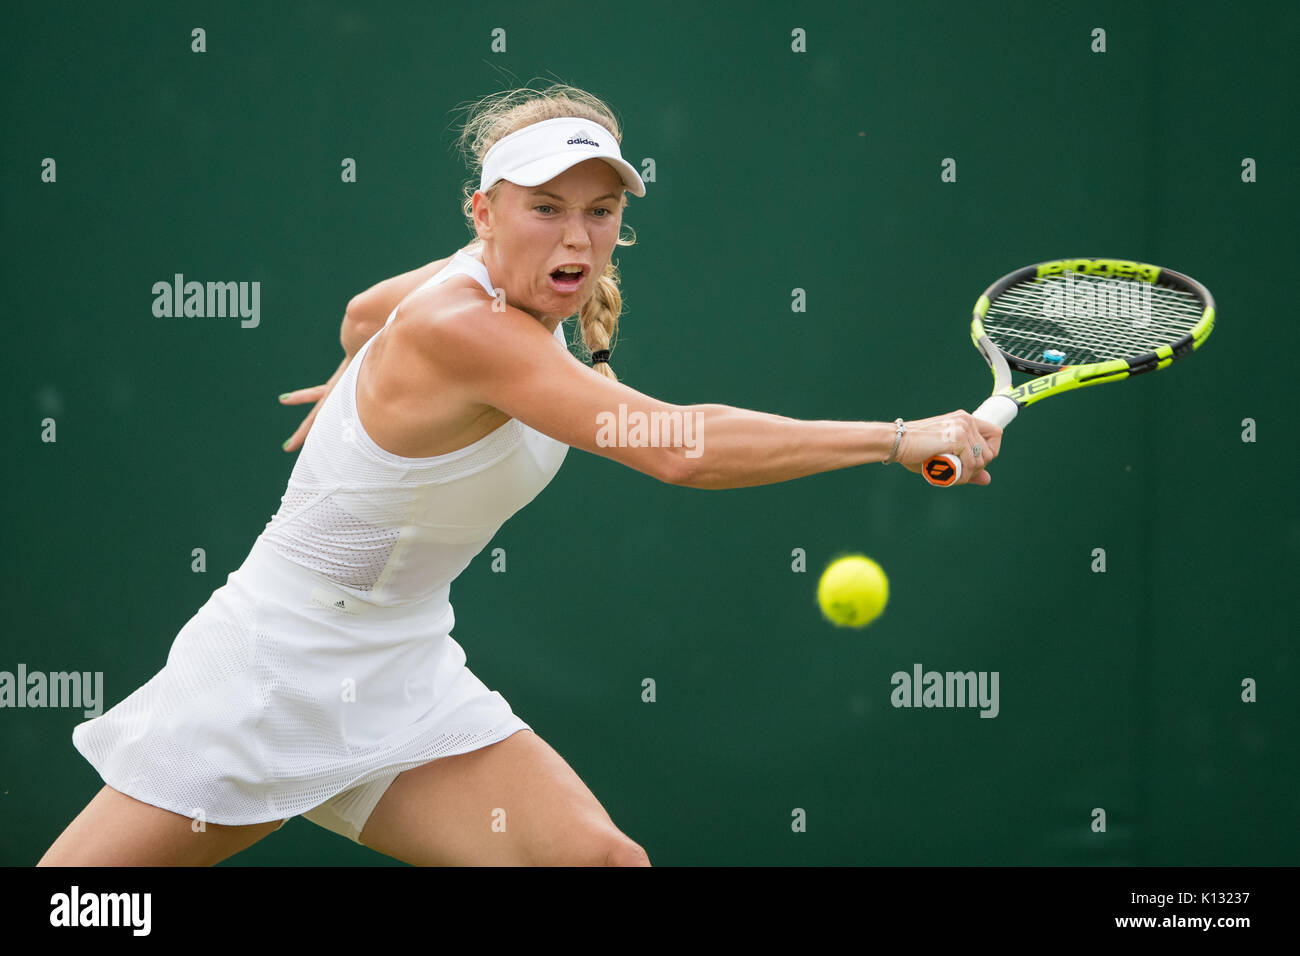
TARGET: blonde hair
(500,114)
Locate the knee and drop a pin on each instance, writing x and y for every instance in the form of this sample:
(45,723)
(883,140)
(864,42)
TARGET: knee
(602,847)
(626,853)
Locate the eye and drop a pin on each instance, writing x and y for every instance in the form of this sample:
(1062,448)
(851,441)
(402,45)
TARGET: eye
(542,207)
(606,211)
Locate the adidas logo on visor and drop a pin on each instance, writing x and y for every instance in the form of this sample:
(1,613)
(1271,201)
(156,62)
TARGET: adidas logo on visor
(580,138)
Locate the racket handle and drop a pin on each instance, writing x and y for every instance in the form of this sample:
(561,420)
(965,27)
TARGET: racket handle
(997,410)
(944,470)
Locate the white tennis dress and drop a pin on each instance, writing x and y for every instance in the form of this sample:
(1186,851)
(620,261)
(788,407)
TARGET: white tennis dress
(325,664)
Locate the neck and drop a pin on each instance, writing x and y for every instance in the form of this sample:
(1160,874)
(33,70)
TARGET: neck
(488,256)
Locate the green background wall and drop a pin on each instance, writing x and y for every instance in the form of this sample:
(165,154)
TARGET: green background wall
(775,170)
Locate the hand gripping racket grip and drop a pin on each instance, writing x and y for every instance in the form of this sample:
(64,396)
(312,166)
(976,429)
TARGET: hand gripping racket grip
(945,470)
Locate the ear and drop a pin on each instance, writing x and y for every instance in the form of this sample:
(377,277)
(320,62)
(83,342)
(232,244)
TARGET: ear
(482,215)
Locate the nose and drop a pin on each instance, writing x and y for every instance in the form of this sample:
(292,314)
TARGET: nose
(575,231)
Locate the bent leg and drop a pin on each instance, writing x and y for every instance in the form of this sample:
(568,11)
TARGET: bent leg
(515,802)
(117,830)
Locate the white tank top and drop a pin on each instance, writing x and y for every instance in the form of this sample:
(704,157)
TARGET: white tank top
(392,530)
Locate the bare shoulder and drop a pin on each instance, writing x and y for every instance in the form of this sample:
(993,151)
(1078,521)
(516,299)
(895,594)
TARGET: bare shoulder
(460,363)
(457,325)
(432,304)
(410,395)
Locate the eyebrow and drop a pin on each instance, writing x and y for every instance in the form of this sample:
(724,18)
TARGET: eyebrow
(543,192)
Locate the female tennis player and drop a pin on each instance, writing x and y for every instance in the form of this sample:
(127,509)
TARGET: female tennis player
(322,679)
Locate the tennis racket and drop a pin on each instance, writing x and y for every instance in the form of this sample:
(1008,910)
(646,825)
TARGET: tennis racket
(1077,322)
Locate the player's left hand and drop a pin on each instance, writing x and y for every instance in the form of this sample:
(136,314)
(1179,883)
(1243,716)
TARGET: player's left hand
(317,394)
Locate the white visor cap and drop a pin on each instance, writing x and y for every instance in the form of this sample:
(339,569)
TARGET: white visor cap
(538,153)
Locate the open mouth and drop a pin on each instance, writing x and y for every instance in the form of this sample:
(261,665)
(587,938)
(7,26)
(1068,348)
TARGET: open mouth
(564,281)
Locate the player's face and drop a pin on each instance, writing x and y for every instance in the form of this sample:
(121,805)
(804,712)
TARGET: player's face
(529,232)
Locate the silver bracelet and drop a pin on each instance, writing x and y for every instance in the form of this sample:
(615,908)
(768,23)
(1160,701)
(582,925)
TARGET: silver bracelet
(898,438)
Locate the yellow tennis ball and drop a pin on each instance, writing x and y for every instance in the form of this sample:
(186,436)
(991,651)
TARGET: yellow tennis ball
(853,590)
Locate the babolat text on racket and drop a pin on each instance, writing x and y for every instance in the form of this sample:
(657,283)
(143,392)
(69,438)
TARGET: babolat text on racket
(1076,322)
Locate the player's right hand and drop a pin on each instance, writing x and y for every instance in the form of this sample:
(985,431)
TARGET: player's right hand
(957,433)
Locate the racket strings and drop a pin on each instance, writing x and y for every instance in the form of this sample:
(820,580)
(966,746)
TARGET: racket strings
(1088,318)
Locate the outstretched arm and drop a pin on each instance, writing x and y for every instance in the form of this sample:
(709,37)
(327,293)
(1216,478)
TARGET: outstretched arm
(743,448)
(507,361)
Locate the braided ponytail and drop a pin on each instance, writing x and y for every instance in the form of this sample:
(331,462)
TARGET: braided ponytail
(598,318)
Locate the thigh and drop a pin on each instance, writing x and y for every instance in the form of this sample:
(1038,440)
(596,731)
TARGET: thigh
(515,802)
(117,830)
